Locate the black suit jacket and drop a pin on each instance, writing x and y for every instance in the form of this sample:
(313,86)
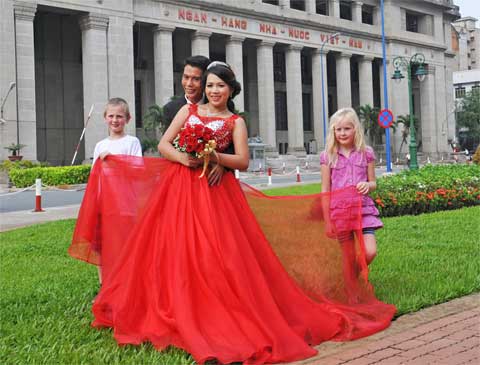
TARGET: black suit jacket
(171,109)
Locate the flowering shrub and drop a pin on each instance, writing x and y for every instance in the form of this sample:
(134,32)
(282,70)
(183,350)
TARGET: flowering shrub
(430,189)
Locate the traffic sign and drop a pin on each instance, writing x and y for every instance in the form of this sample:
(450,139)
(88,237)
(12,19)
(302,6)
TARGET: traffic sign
(385,118)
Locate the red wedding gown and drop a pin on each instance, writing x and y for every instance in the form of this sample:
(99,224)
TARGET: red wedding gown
(223,272)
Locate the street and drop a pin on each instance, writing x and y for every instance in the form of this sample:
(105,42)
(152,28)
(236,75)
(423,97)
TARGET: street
(12,202)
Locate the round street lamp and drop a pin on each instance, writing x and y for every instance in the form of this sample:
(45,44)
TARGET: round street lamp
(417,61)
(333,36)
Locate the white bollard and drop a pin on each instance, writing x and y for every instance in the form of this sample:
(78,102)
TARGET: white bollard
(237,174)
(269,176)
(298,174)
(283,167)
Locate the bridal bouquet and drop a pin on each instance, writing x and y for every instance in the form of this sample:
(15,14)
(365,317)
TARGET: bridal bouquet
(197,140)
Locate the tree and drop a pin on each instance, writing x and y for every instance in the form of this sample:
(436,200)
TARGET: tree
(154,119)
(468,116)
(153,126)
(368,115)
(405,121)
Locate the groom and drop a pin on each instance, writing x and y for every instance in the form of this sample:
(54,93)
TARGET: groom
(193,70)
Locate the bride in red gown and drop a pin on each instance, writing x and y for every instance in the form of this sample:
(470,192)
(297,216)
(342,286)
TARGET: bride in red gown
(221,271)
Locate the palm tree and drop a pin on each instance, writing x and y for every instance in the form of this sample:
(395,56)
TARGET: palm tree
(405,121)
(153,126)
(154,119)
(368,115)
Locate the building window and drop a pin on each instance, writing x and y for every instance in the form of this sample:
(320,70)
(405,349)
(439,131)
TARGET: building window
(138,104)
(281,121)
(271,2)
(475,89)
(411,24)
(367,14)
(459,92)
(297,4)
(346,10)
(279,71)
(321,7)
(307,111)
(306,66)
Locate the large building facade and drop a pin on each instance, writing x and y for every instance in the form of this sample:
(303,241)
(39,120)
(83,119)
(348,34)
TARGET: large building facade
(65,56)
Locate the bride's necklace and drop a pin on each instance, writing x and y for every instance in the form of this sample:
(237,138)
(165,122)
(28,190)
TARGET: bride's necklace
(214,114)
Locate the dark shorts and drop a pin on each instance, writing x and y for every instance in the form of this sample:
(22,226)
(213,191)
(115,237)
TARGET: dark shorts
(347,236)
(368,230)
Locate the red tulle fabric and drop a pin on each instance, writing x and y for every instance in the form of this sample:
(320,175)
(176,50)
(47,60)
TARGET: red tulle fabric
(223,272)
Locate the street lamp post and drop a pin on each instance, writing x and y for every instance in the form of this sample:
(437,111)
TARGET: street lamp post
(323,85)
(417,61)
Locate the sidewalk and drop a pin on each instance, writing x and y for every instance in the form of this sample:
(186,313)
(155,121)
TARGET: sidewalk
(24,218)
(447,333)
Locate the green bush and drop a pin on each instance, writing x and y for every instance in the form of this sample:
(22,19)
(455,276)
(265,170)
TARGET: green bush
(430,189)
(8,165)
(62,175)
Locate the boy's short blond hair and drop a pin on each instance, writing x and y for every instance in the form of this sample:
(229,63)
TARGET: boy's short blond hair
(118,102)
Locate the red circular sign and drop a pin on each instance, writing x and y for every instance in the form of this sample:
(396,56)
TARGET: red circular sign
(385,118)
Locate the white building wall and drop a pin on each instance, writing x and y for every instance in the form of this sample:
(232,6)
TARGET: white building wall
(112,69)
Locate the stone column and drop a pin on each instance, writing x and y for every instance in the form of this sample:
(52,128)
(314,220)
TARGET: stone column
(344,86)
(234,57)
(377,15)
(334,8)
(311,6)
(95,77)
(251,96)
(428,115)
(441,108)
(266,95)
(163,63)
(284,4)
(25,60)
(120,64)
(450,64)
(365,79)
(399,104)
(357,11)
(294,100)
(200,43)
(318,98)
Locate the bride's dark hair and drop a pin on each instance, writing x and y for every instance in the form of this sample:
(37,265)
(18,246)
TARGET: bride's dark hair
(224,72)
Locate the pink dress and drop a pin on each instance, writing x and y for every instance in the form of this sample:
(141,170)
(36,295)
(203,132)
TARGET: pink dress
(349,171)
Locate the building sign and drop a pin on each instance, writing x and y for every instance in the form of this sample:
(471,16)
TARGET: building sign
(234,23)
(193,16)
(253,27)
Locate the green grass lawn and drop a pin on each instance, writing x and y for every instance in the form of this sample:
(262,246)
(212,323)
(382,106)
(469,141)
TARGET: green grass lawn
(295,190)
(46,296)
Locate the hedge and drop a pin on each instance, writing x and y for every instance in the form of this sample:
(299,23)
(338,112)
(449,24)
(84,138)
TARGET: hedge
(64,175)
(430,189)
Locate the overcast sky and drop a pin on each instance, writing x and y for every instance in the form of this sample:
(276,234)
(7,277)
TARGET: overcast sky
(469,8)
